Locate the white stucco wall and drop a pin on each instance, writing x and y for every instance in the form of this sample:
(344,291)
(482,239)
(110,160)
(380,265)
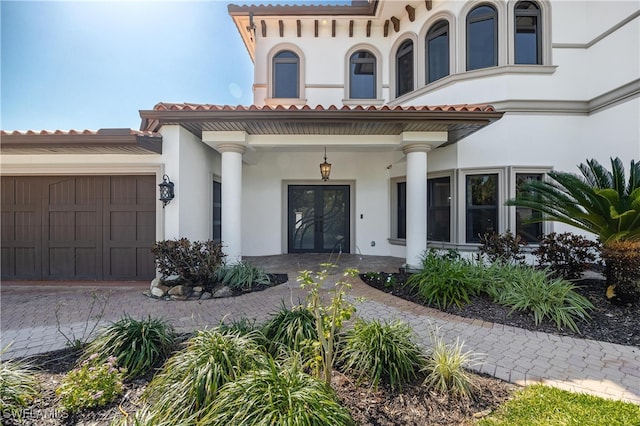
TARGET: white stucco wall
(264,196)
(191,165)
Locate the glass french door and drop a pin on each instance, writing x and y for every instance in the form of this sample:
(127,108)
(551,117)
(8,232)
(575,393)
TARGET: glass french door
(318,218)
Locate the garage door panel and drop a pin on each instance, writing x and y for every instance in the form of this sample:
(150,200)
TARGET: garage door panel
(61,227)
(123,262)
(145,261)
(21,215)
(146,226)
(122,226)
(86,262)
(127,209)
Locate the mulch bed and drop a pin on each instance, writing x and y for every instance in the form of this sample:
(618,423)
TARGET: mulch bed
(414,405)
(609,322)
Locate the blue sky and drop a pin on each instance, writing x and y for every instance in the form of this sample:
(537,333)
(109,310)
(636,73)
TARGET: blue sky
(93,64)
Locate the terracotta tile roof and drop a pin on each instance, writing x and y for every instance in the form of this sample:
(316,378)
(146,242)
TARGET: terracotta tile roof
(102,141)
(73,132)
(163,106)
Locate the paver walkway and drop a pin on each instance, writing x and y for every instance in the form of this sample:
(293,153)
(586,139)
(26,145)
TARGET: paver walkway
(28,321)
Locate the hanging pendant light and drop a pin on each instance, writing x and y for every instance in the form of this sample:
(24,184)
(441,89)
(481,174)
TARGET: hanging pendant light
(325,168)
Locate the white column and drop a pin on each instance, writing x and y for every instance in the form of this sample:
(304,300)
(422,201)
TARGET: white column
(231,197)
(416,240)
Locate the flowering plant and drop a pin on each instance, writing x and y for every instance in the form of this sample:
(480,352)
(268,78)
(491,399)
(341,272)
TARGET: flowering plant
(90,385)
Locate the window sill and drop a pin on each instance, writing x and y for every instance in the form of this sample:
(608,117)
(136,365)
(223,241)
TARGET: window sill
(363,102)
(285,101)
(472,75)
(397,241)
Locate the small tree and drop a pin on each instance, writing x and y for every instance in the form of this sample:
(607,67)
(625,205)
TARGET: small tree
(329,318)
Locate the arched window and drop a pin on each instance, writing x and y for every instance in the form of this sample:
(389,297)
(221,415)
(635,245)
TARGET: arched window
(527,43)
(286,75)
(437,54)
(362,75)
(404,68)
(482,38)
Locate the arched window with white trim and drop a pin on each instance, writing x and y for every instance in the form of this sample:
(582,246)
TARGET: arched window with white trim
(527,36)
(404,68)
(286,75)
(362,75)
(437,51)
(482,37)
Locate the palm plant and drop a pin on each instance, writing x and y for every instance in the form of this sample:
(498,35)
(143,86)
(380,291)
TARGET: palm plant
(601,202)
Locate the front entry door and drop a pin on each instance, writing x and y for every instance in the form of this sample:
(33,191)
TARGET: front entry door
(318,218)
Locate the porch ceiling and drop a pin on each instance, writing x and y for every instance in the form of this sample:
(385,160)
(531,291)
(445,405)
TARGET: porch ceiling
(458,121)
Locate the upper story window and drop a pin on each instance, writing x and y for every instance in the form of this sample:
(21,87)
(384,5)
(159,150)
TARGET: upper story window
(482,38)
(404,68)
(286,75)
(362,75)
(437,51)
(527,43)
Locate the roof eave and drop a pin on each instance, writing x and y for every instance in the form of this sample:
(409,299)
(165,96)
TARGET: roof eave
(105,141)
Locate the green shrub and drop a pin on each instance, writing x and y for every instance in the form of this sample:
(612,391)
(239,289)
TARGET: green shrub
(293,329)
(242,326)
(18,387)
(538,292)
(137,345)
(190,380)
(277,395)
(241,276)
(381,352)
(444,281)
(196,262)
(445,368)
(503,248)
(90,385)
(567,254)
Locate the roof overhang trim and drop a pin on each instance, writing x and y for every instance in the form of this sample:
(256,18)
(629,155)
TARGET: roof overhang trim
(103,141)
(307,121)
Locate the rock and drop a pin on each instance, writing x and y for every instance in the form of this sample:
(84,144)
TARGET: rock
(222,292)
(156,282)
(179,290)
(198,289)
(206,295)
(176,297)
(146,293)
(159,291)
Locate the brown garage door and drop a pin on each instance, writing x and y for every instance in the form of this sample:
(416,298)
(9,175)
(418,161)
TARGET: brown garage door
(78,227)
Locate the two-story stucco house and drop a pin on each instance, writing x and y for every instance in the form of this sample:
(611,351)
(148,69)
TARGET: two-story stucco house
(430,113)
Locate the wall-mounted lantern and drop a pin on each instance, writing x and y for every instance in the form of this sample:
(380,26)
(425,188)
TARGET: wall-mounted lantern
(166,190)
(325,168)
